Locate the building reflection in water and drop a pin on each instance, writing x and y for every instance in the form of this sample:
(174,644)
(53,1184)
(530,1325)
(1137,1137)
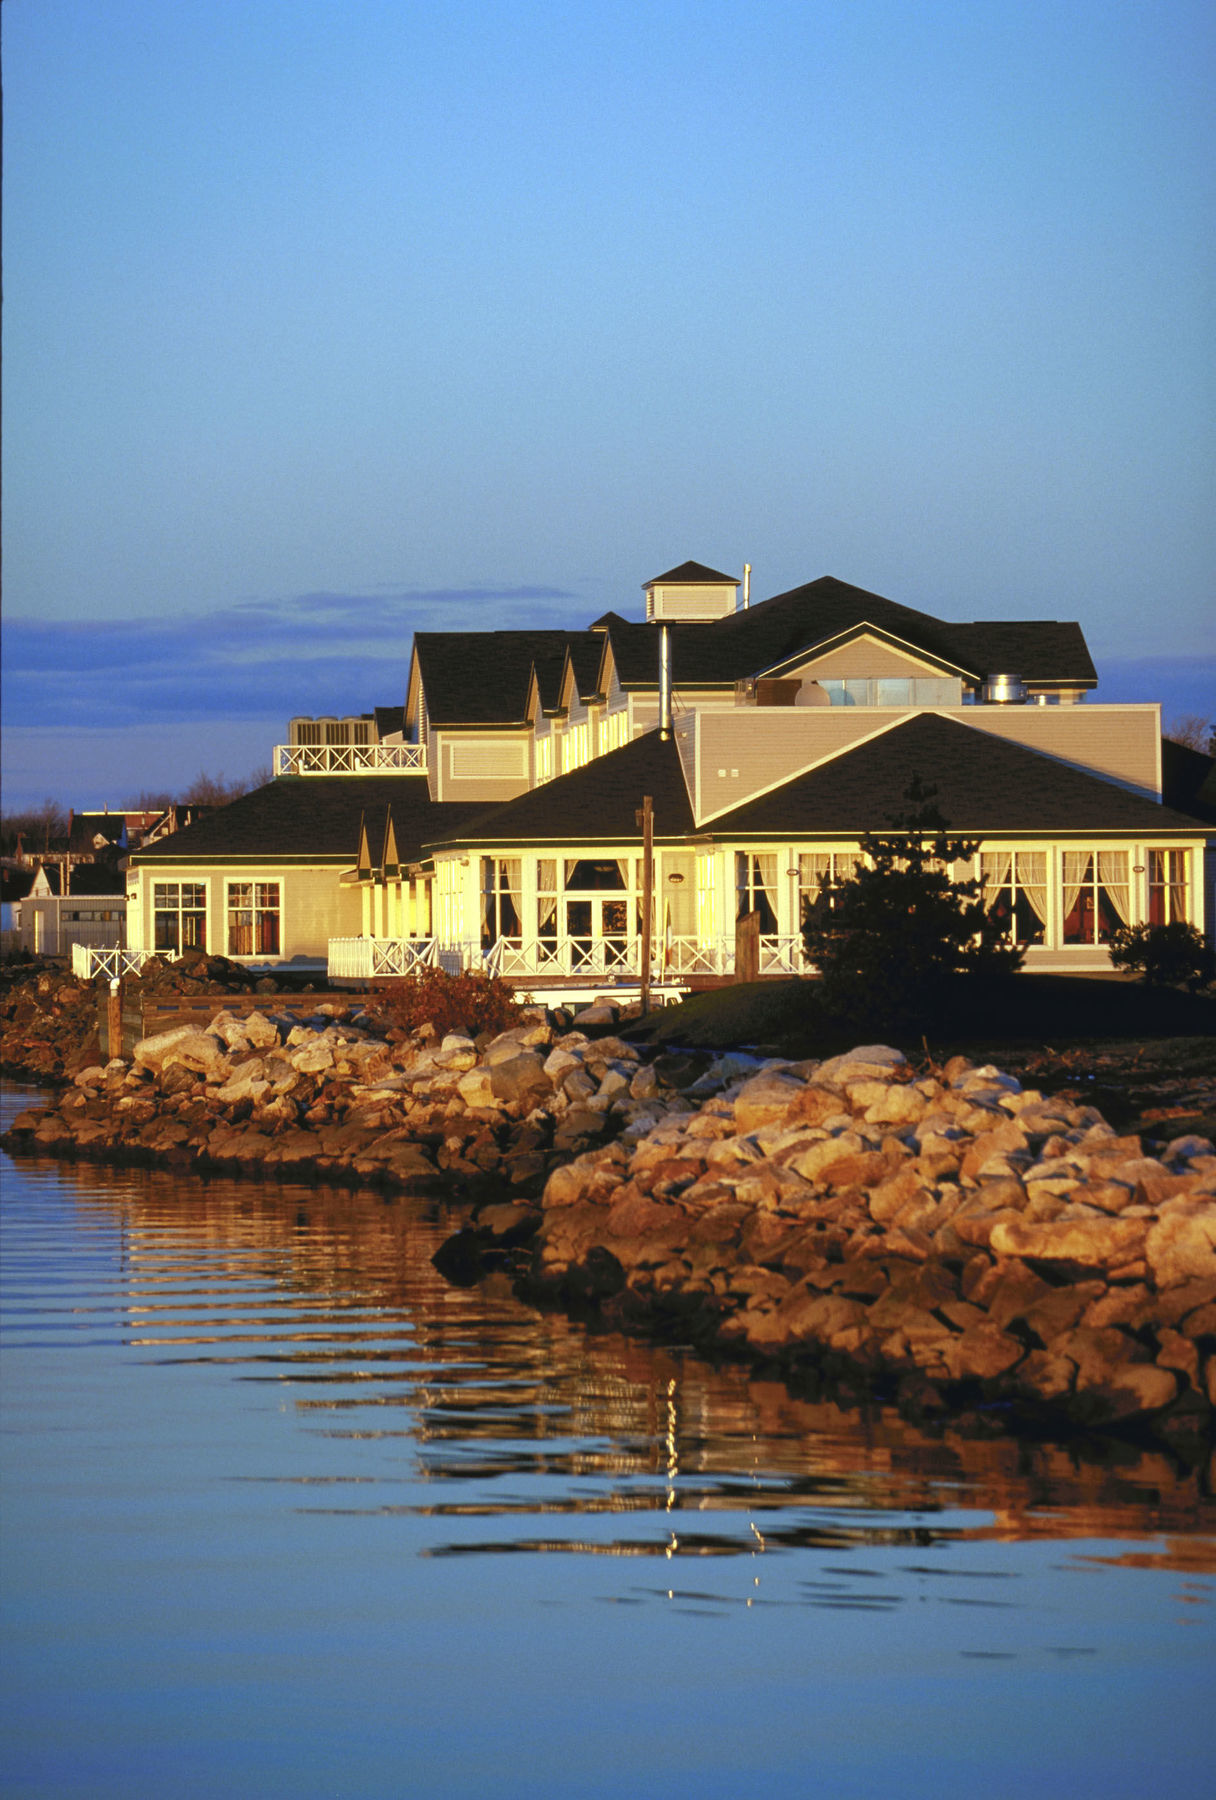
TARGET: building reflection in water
(514,1414)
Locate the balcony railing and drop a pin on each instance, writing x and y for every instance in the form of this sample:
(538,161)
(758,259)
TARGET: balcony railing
(350,759)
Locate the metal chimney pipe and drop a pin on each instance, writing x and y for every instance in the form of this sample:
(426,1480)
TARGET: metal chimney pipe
(747,586)
(664,682)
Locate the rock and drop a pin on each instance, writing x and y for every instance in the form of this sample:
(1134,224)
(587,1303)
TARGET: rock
(1181,1246)
(601,1012)
(520,1079)
(1094,1243)
(766,1099)
(261,1032)
(151,1051)
(985,1351)
(476,1087)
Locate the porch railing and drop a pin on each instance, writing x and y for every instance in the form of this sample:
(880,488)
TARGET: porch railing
(676,956)
(350,759)
(368,959)
(577,958)
(89,961)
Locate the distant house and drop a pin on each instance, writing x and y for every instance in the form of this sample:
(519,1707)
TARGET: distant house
(92,911)
(494,820)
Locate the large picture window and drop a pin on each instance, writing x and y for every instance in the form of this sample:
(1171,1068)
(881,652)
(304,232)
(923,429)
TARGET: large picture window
(253,918)
(1168,885)
(179,916)
(1015,892)
(1096,898)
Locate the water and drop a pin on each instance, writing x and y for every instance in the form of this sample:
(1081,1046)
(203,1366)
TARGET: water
(286,1515)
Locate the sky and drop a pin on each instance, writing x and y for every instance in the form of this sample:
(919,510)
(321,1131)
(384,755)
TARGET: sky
(327,324)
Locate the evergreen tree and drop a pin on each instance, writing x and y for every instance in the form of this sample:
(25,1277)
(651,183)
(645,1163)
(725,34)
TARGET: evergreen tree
(885,940)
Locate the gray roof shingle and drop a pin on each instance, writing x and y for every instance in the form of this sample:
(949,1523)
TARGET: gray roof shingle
(314,817)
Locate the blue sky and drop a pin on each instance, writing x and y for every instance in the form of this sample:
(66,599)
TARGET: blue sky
(326,324)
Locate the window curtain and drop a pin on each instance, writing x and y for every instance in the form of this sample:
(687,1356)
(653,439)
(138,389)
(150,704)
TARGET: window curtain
(996,866)
(765,868)
(622,865)
(1112,873)
(1032,879)
(1076,873)
(1178,860)
(814,873)
(814,881)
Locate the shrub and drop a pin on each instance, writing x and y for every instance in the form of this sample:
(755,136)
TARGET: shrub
(884,941)
(471,1002)
(1164,954)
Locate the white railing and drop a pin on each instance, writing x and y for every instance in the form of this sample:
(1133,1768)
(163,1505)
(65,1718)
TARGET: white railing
(368,959)
(88,962)
(564,956)
(350,759)
(782,956)
(619,958)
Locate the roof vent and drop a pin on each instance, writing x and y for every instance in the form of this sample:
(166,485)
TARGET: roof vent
(1005,690)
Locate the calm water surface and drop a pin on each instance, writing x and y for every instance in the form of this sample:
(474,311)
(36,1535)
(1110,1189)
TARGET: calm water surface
(286,1515)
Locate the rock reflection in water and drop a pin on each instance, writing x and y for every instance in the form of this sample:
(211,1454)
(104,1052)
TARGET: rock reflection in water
(516,1415)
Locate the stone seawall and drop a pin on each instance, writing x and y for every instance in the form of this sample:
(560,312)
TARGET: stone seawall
(952,1238)
(969,1245)
(332,1098)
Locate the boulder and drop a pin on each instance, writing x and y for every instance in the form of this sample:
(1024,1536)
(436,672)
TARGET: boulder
(766,1099)
(1181,1246)
(1100,1242)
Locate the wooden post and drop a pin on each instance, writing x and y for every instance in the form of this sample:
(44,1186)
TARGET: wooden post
(747,947)
(645,818)
(111,1032)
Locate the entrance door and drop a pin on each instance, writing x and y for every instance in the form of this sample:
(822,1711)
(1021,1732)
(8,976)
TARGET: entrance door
(598,930)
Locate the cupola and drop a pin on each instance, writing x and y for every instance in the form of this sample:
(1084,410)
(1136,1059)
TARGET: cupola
(691,594)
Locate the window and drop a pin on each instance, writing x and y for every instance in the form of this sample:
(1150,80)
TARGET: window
(253,918)
(1168,884)
(611,872)
(820,875)
(576,746)
(895,690)
(546,904)
(756,883)
(707,891)
(614,731)
(1015,892)
(544,759)
(179,916)
(1096,897)
(500,899)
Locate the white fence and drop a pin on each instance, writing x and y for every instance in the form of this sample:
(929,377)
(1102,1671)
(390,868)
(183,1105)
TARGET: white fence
(88,961)
(350,759)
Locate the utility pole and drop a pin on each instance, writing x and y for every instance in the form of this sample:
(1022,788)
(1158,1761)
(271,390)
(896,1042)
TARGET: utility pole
(645,818)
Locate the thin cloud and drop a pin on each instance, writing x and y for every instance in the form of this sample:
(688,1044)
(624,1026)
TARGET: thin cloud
(316,652)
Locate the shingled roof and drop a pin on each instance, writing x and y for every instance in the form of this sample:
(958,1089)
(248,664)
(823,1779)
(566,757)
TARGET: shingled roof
(690,574)
(985,786)
(481,677)
(594,804)
(744,644)
(313,818)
